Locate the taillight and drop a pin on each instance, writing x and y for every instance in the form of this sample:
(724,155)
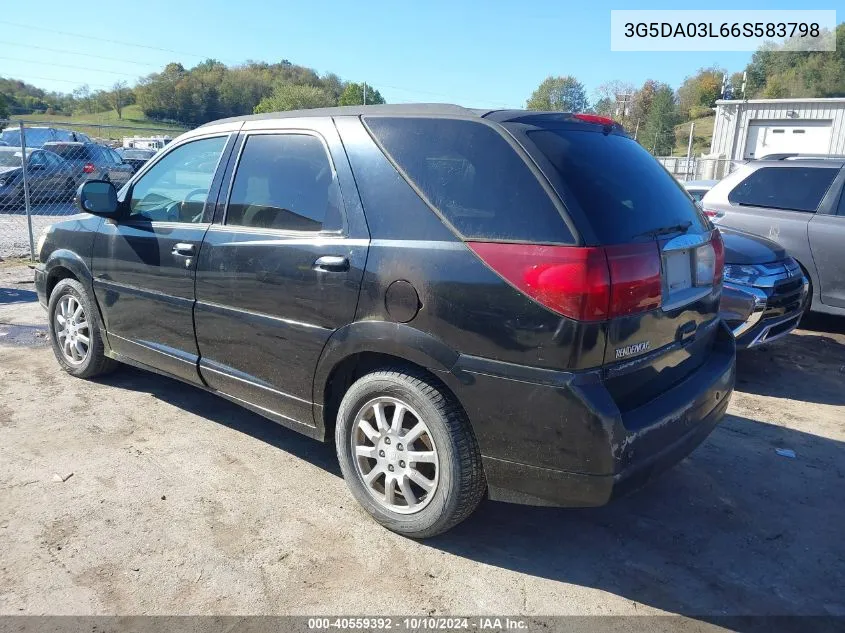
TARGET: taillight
(635,282)
(718,245)
(88,168)
(583,283)
(713,214)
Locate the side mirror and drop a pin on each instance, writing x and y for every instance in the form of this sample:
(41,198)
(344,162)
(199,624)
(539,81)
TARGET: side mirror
(97,197)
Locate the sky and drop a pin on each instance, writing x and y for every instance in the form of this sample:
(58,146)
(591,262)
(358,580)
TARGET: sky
(476,54)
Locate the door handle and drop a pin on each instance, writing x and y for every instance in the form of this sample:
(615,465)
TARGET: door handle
(331,264)
(182,249)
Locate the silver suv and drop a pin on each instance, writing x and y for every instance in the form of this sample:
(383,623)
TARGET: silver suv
(795,200)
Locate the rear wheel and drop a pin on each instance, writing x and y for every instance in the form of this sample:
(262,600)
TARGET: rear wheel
(75,332)
(408,453)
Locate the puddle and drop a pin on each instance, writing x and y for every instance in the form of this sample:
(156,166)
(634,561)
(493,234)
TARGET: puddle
(23,335)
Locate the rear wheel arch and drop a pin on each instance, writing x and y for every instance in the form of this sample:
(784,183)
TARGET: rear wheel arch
(367,346)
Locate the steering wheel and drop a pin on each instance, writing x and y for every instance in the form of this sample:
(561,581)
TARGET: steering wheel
(183,205)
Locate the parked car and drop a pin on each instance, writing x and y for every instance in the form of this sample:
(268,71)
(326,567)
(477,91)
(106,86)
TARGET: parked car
(514,301)
(697,188)
(796,201)
(48,177)
(37,136)
(93,162)
(137,158)
(765,291)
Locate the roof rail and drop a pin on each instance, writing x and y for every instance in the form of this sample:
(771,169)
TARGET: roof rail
(788,156)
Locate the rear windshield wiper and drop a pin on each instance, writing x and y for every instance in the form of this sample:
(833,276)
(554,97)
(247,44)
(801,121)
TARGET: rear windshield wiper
(666,230)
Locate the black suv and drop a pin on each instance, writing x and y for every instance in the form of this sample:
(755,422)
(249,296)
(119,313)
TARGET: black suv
(518,303)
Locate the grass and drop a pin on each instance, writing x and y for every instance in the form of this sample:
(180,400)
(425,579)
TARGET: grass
(701,136)
(90,124)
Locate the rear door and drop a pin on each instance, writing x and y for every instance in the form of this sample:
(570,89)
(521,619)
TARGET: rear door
(827,241)
(144,264)
(280,270)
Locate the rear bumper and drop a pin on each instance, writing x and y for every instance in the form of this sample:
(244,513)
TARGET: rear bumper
(572,446)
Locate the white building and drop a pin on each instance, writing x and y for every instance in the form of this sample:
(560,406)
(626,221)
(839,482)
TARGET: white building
(758,127)
(145,142)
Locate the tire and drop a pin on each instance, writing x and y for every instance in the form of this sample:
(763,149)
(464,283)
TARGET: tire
(448,443)
(70,293)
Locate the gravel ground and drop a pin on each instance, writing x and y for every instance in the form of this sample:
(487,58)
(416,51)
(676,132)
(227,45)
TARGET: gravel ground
(14,233)
(177,502)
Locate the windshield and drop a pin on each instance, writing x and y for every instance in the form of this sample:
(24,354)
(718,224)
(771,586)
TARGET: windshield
(35,137)
(10,159)
(622,190)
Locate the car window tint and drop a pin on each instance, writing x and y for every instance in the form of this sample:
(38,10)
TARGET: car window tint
(623,192)
(176,188)
(791,188)
(473,177)
(841,208)
(285,182)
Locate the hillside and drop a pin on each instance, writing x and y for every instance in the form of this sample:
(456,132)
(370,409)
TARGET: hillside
(90,124)
(701,139)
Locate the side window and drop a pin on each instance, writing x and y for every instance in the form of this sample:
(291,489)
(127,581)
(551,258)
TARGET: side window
(176,187)
(37,159)
(473,177)
(791,188)
(285,182)
(115,157)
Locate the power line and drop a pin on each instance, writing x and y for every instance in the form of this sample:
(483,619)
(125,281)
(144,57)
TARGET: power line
(67,52)
(99,39)
(197,55)
(97,70)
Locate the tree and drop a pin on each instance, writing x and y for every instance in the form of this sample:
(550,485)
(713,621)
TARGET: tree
(657,133)
(294,97)
(699,92)
(353,94)
(4,109)
(614,99)
(559,94)
(118,97)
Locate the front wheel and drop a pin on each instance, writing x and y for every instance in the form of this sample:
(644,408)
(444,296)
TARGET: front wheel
(75,332)
(408,453)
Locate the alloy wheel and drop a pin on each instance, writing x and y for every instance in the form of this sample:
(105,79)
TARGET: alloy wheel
(72,330)
(395,455)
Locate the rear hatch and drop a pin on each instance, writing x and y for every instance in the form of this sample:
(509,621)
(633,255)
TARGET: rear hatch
(78,155)
(664,259)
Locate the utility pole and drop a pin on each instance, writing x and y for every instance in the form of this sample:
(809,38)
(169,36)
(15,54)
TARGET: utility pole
(636,129)
(654,147)
(365,93)
(689,148)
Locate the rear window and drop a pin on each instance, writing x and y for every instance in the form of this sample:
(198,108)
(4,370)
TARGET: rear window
(791,188)
(71,152)
(622,190)
(473,177)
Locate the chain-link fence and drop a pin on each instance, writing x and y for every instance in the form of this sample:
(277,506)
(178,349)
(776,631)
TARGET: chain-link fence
(43,163)
(698,168)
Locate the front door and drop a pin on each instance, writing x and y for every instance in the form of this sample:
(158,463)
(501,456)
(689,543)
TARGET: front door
(282,270)
(827,239)
(144,264)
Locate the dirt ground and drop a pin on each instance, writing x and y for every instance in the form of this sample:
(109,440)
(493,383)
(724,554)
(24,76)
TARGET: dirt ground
(181,503)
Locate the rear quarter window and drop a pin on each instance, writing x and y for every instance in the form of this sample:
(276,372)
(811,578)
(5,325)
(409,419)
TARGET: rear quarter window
(790,188)
(473,177)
